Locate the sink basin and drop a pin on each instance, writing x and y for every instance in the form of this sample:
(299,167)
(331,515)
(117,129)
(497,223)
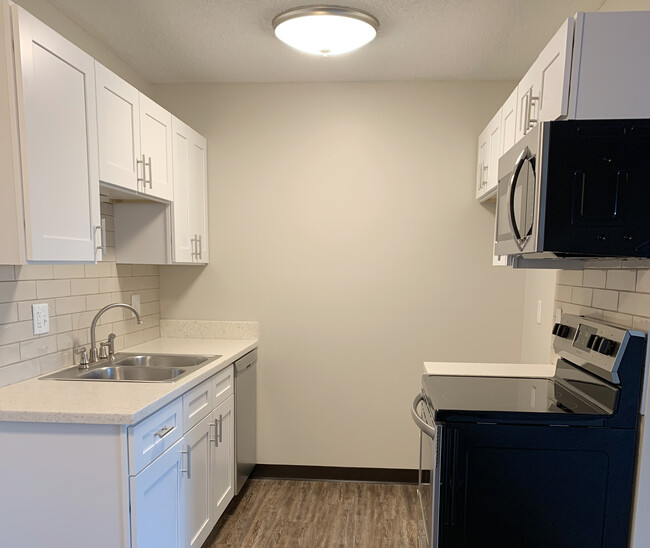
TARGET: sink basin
(161,360)
(126,373)
(140,367)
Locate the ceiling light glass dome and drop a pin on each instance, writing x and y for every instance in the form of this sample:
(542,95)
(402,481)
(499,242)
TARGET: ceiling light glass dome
(325,30)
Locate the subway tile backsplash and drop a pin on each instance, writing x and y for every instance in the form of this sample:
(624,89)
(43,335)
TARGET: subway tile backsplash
(615,290)
(74,294)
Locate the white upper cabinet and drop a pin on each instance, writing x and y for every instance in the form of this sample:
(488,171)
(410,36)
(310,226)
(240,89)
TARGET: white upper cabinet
(156,149)
(135,138)
(610,77)
(189,209)
(543,93)
(489,151)
(118,124)
(57,127)
(509,122)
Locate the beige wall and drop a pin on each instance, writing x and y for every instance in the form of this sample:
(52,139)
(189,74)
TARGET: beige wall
(73,32)
(536,337)
(625,5)
(342,217)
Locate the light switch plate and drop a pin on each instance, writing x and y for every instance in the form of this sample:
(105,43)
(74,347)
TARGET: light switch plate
(41,318)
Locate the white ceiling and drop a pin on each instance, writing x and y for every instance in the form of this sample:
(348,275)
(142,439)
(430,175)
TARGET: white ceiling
(181,41)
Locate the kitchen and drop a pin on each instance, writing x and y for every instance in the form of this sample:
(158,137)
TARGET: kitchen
(347,265)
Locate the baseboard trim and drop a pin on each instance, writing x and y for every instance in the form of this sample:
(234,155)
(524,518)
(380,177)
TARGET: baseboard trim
(335,473)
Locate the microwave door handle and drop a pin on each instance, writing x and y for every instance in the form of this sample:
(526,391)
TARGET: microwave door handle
(428,430)
(525,155)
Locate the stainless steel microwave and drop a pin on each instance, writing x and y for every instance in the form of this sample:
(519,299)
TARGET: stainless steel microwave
(576,188)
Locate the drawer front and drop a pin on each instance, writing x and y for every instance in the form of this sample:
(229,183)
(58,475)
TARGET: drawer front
(222,386)
(197,403)
(151,437)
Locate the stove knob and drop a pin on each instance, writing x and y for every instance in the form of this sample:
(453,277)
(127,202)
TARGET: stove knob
(592,341)
(563,331)
(555,328)
(595,344)
(607,347)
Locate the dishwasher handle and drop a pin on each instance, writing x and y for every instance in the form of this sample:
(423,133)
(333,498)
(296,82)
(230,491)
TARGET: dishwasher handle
(428,430)
(243,363)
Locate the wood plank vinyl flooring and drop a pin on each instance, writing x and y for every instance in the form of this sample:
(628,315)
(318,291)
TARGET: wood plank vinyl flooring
(314,514)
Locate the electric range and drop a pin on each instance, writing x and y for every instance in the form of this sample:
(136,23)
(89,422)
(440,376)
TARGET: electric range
(548,462)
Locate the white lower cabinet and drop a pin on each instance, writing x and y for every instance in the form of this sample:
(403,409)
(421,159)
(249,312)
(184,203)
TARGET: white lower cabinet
(223,457)
(189,484)
(158,501)
(160,483)
(209,484)
(198,515)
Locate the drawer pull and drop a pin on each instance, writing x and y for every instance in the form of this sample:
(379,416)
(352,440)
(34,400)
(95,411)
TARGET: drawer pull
(163,432)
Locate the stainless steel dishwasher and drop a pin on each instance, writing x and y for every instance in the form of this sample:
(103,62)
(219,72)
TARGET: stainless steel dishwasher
(245,417)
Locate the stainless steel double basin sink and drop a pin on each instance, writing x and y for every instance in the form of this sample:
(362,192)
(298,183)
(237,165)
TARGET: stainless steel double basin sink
(130,367)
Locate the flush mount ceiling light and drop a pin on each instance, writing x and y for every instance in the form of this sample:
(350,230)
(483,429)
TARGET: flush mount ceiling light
(325,30)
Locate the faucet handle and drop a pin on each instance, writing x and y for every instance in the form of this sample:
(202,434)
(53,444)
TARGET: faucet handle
(83,362)
(103,350)
(107,348)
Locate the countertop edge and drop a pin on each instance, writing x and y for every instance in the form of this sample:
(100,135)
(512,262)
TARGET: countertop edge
(174,391)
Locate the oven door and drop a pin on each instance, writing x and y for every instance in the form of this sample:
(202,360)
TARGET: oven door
(429,473)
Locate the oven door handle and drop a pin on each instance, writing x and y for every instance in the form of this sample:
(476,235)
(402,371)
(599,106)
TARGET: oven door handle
(428,430)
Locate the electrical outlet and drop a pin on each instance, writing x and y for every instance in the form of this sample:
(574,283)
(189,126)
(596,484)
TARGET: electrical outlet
(41,318)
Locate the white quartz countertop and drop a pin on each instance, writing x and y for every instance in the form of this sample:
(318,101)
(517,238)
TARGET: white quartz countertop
(464,369)
(89,402)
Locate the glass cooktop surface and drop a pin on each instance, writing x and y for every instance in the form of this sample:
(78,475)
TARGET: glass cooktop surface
(570,391)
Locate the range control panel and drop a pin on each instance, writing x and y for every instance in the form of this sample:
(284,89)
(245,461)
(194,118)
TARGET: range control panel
(590,344)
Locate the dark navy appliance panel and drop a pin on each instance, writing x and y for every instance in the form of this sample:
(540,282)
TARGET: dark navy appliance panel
(597,188)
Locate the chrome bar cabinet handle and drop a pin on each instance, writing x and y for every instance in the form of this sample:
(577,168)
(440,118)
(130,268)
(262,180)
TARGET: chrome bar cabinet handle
(186,470)
(150,181)
(163,432)
(142,179)
(211,439)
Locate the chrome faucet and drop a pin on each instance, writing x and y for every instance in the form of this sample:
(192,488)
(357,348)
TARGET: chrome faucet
(94,354)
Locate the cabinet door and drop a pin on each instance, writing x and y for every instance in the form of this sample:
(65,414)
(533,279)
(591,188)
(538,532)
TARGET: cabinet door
(156,149)
(543,93)
(509,123)
(58,137)
(494,137)
(157,502)
(527,102)
(118,127)
(223,457)
(198,515)
(489,153)
(554,68)
(199,197)
(190,195)
(482,159)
